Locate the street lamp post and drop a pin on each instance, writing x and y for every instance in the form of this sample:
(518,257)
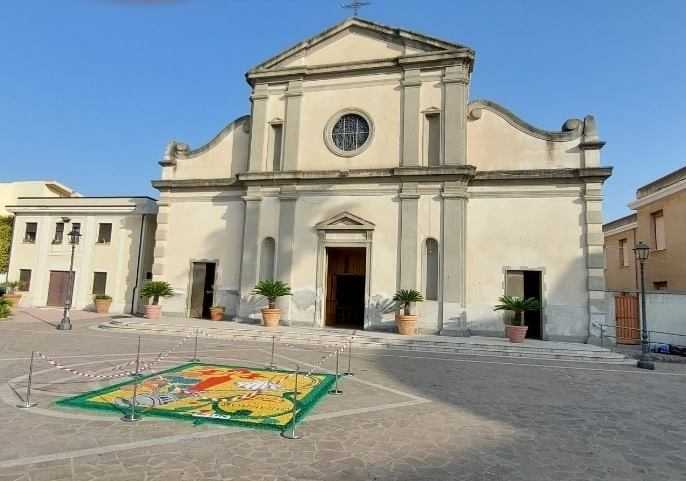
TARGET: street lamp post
(65,323)
(642,252)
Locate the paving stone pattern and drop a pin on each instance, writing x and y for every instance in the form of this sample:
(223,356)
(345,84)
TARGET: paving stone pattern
(487,419)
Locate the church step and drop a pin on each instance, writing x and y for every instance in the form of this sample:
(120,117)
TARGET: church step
(310,337)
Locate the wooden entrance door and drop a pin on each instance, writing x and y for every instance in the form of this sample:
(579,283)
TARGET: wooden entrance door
(202,289)
(627,320)
(345,286)
(58,288)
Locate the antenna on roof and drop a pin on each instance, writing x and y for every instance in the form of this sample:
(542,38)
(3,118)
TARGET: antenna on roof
(355,6)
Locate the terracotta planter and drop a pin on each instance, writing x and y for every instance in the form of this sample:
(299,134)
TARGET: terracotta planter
(217,313)
(102,306)
(516,333)
(152,311)
(407,325)
(13,299)
(271,317)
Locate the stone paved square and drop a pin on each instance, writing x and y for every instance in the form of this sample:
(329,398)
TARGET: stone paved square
(402,416)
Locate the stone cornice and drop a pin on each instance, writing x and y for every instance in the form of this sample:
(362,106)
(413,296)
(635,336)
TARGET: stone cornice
(399,64)
(466,174)
(572,129)
(400,174)
(585,175)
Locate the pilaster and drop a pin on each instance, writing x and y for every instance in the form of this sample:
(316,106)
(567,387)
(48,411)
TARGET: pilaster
(286,245)
(411,86)
(593,246)
(251,223)
(409,205)
(258,128)
(294,96)
(161,236)
(455,94)
(453,258)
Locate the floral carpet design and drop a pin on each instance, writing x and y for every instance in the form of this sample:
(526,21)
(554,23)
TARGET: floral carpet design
(210,392)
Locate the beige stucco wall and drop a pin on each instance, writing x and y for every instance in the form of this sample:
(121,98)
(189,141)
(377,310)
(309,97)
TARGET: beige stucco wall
(668,264)
(202,227)
(380,102)
(222,157)
(119,258)
(515,149)
(527,232)
(349,46)
(620,277)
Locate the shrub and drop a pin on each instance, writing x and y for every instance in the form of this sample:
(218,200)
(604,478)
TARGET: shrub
(518,305)
(405,297)
(5,308)
(272,290)
(156,289)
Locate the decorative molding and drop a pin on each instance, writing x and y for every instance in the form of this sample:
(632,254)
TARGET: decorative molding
(328,132)
(572,129)
(345,221)
(176,150)
(390,33)
(586,175)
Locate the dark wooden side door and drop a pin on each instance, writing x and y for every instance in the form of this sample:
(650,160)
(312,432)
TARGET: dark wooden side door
(58,288)
(202,289)
(345,281)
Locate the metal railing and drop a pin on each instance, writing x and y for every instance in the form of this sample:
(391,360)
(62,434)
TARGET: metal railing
(651,334)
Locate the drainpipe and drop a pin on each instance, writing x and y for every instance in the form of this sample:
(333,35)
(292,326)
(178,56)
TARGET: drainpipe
(138,266)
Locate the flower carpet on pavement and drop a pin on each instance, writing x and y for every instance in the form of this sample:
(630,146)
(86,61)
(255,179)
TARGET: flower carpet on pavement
(200,392)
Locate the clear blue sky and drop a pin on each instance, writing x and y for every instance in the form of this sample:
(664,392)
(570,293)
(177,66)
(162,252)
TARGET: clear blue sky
(91,90)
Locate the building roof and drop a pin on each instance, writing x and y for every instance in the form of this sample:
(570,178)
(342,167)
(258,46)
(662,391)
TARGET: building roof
(661,183)
(83,205)
(395,35)
(621,222)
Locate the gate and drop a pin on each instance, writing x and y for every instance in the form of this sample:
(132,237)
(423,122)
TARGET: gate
(627,320)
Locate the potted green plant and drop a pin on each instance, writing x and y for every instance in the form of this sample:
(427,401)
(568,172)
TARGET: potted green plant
(406,321)
(5,308)
(11,294)
(102,303)
(272,290)
(516,330)
(217,313)
(153,290)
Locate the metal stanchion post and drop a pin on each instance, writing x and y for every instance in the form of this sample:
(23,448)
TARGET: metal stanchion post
(349,372)
(27,402)
(271,365)
(195,348)
(285,433)
(335,389)
(132,416)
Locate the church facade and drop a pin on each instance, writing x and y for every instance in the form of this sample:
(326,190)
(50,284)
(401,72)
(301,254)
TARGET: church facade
(364,168)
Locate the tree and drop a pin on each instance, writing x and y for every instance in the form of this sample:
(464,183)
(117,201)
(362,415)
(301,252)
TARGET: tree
(6,224)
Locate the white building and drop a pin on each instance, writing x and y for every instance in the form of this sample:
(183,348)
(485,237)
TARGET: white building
(114,255)
(364,168)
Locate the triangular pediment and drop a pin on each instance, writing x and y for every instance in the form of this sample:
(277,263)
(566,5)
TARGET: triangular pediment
(345,221)
(355,40)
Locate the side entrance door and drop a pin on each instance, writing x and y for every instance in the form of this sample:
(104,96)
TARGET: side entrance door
(627,320)
(58,288)
(202,289)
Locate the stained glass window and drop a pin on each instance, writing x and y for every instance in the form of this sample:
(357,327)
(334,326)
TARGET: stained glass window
(350,132)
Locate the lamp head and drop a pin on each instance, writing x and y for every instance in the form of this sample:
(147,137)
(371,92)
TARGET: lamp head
(642,251)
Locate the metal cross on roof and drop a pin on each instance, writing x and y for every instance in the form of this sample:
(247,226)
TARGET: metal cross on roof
(355,6)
